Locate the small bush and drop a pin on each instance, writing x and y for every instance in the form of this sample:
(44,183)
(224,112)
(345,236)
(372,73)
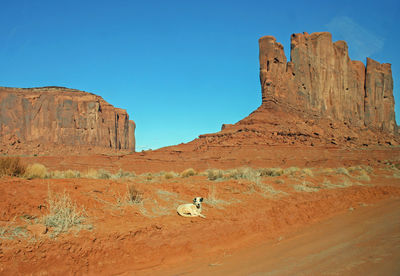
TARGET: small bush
(354,169)
(9,232)
(11,166)
(326,171)
(213,200)
(103,174)
(188,172)
(308,172)
(305,188)
(55,174)
(271,172)
(63,213)
(244,173)
(214,174)
(134,196)
(148,176)
(123,174)
(98,174)
(72,174)
(291,171)
(368,169)
(342,171)
(363,177)
(344,183)
(170,175)
(91,173)
(35,171)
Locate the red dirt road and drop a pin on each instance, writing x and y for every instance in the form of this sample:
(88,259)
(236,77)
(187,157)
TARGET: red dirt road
(365,241)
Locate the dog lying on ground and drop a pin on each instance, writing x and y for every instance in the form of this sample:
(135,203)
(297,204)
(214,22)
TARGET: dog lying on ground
(191,209)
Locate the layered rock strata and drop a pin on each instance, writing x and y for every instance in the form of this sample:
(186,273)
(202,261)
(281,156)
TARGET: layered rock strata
(56,116)
(321,78)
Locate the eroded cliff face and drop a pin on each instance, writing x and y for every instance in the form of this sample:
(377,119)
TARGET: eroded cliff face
(321,78)
(54,117)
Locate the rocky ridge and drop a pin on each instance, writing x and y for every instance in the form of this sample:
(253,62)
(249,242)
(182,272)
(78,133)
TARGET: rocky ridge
(61,120)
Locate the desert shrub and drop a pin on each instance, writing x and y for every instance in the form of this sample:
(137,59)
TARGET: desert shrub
(354,169)
(368,169)
(280,181)
(308,172)
(72,174)
(291,171)
(213,200)
(64,174)
(214,174)
(244,173)
(147,176)
(342,171)
(271,172)
(268,190)
(326,171)
(64,214)
(123,174)
(91,173)
(98,174)
(188,172)
(343,183)
(11,232)
(35,170)
(169,175)
(11,166)
(133,195)
(363,177)
(103,174)
(305,188)
(55,174)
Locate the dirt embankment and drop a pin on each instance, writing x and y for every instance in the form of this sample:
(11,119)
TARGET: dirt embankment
(243,208)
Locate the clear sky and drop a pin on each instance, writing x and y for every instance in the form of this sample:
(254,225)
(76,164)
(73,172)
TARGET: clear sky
(180,68)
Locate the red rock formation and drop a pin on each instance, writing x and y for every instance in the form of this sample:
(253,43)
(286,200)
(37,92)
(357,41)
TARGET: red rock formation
(379,100)
(319,98)
(55,116)
(321,78)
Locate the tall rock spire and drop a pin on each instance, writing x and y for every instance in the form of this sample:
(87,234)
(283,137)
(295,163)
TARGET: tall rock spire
(321,78)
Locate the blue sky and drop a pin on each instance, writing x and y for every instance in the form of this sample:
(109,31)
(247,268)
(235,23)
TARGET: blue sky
(180,68)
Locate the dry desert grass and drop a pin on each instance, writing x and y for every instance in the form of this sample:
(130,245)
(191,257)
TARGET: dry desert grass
(224,187)
(11,166)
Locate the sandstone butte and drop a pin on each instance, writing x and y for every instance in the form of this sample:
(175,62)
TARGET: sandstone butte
(60,120)
(319,97)
(321,78)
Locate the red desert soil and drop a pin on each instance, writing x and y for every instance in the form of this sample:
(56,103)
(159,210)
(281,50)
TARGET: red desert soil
(365,241)
(246,216)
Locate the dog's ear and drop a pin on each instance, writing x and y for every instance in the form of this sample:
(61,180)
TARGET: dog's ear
(201,199)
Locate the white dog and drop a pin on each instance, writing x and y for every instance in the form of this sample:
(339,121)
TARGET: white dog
(191,209)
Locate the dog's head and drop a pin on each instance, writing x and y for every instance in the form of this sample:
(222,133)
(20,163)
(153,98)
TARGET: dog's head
(197,201)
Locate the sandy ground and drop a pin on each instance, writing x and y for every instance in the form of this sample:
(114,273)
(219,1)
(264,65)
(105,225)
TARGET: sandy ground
(363,241)
(253,226)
